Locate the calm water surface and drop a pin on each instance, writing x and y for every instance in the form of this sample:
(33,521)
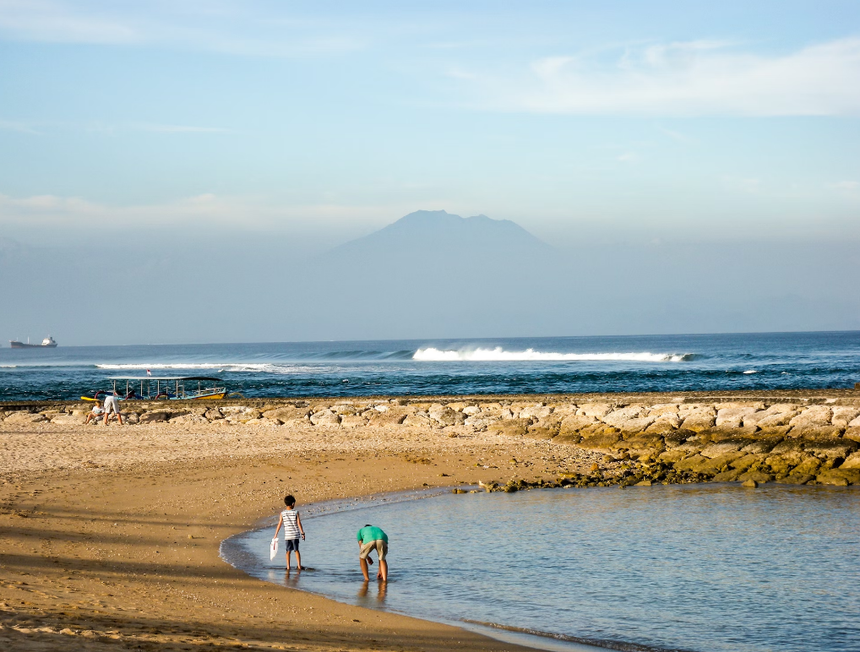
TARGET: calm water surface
(705,568)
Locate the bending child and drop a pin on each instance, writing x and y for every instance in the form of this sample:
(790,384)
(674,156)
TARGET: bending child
(372,538)
(292,524)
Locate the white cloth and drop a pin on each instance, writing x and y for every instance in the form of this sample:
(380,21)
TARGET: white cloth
(111,405)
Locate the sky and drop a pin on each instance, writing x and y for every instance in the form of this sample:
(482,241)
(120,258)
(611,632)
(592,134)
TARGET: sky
(607,120)
(302,125)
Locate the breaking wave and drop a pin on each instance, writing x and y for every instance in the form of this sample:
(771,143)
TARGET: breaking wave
(499,354)
(234,367)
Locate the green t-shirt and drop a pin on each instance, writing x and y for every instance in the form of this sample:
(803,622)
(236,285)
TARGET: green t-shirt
(371,533)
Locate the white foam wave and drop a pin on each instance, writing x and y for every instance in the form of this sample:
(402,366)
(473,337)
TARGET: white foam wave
(178,365)
(750,371)
(499,354)
(8,366)
(234,367)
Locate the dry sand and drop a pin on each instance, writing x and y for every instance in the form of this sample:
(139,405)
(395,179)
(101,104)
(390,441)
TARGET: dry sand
(110,535)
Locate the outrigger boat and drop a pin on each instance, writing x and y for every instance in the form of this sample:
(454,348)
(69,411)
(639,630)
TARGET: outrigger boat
(154,388)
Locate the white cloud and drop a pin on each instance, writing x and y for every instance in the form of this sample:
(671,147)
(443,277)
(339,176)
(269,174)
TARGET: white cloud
(112,129)
(687,79)
(42,20)
(847,186)
(179,129)
(20,127)
(747,186)
(227,28)
(201,211)
(676,135)
(149,127)
(459,73)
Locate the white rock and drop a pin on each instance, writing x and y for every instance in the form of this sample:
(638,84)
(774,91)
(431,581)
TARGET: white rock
(325,418)
(446,416)
(25,417)
(854,423)
(480,421)
(733,416)
(538,411)
(843,414)
(597,410)
(621,415)
(817,415)
(662,409)
(776,415)
(68,420)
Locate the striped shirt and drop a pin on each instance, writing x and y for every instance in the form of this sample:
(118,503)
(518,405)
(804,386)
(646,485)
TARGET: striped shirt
(291,528)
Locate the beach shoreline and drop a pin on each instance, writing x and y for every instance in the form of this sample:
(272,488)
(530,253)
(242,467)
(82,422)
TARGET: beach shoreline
(111,534)
(101,556)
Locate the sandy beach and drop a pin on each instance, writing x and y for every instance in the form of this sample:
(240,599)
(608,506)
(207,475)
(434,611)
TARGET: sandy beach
(110,535)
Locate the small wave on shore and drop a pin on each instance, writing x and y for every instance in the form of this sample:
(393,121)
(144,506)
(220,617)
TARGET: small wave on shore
(579,643)
(431,354)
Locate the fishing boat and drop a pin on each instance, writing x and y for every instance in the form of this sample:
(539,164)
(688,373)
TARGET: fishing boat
(47,343)
(156,388)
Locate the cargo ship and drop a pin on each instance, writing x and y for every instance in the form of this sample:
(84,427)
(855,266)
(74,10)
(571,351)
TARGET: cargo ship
(47,343)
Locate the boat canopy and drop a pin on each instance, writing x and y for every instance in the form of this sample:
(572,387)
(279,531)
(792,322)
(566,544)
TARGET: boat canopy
(167,387)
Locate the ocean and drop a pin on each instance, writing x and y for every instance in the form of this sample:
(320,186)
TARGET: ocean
(656,363)
(705,568)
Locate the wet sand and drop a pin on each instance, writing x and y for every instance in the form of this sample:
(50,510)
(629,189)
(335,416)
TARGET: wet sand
(109,536)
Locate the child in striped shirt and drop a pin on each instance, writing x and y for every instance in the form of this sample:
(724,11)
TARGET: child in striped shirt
(292,524)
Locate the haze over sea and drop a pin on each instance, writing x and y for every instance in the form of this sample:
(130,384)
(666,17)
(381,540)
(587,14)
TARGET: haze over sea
(656,363)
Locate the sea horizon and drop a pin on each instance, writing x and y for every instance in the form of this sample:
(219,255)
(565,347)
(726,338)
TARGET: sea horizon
(580,364)
(488,338)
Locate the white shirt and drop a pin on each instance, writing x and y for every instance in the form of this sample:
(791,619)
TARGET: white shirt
(291,528)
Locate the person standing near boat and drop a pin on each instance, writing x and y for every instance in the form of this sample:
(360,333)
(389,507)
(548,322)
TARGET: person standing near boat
(372,538)
(112,407)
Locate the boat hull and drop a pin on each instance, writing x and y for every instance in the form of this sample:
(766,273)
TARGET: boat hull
(23,345)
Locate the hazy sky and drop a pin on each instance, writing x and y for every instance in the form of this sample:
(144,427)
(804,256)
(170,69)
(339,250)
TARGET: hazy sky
(604,121)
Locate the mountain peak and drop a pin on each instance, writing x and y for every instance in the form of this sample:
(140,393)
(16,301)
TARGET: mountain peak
(433,228)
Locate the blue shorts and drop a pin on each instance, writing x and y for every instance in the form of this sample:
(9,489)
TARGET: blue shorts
(291,544)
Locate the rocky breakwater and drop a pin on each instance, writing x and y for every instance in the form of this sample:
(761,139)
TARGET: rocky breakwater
(733,438)
(788,437)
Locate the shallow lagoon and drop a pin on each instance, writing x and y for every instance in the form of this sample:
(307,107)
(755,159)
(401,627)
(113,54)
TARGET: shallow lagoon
(703,567)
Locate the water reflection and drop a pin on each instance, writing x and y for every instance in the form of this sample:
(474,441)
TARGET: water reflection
(364,590)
